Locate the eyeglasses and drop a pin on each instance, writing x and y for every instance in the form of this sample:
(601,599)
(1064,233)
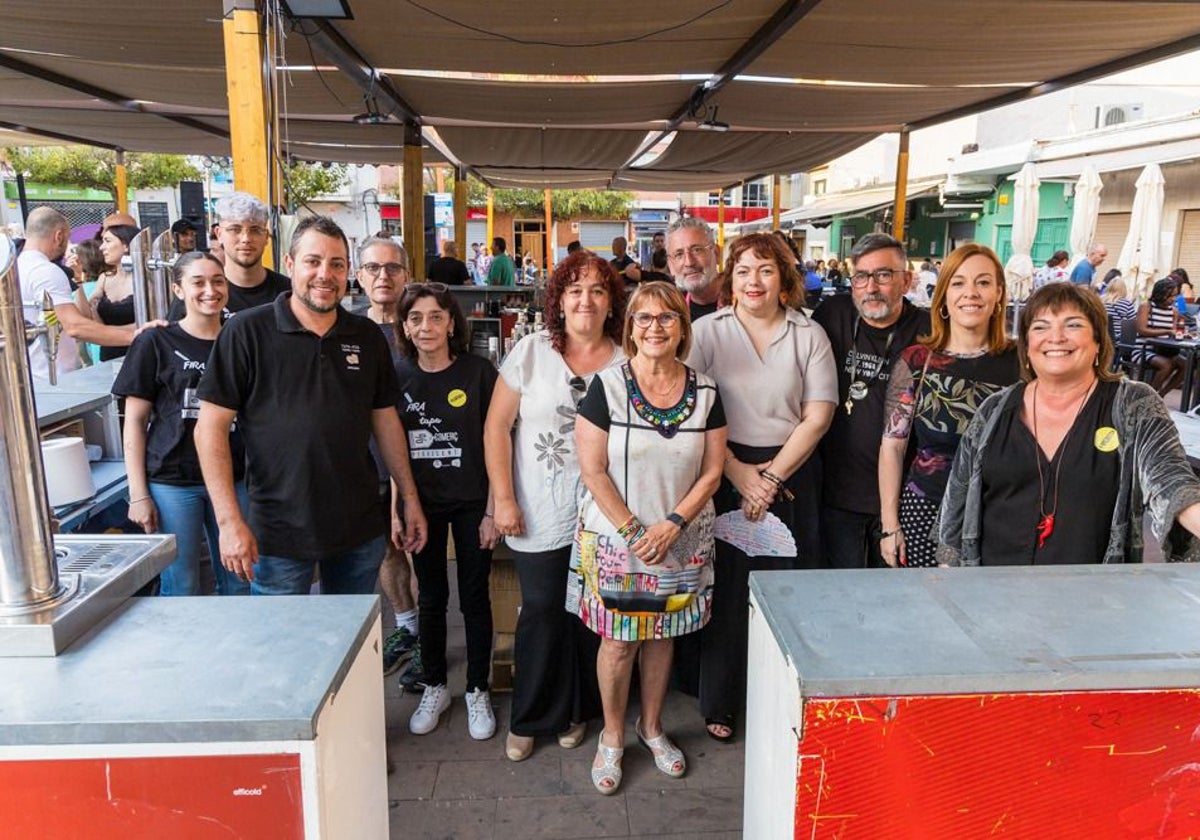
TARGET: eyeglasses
(579,387)
(411,289)
(643,320)
(373,269)
(693,251)
(882,276)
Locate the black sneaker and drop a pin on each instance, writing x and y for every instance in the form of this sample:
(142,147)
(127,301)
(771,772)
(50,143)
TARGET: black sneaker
(397,649)
(413,678)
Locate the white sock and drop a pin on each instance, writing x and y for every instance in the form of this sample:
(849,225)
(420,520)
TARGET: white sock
(407,619)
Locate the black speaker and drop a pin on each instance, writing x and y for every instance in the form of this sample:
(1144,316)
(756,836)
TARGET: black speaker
(191,207)
(191,202)
(430,233)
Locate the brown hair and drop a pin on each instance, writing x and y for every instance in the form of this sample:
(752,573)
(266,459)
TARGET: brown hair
(765,246)
(1055,297)
(670,298)
(567,273)
(458,340)
(939,316)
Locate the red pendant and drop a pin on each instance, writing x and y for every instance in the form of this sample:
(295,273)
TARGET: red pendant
(1045,528)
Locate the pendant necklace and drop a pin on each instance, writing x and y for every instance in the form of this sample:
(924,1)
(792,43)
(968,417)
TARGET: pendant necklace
(858,385)
(1045,526)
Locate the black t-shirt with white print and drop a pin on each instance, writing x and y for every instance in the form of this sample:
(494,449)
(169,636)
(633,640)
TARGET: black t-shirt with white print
(163,367)
(443,416)
(242,298)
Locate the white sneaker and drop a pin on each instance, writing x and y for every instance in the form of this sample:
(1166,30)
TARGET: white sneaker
(480,720)
(434,701)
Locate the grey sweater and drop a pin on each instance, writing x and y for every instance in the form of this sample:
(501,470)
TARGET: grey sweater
(1154,475)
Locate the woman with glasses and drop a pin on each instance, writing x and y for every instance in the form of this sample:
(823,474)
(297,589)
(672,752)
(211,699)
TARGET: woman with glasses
(651,439)
(778,383)
(446,392)
(534,474)
(935,388)
(158,381)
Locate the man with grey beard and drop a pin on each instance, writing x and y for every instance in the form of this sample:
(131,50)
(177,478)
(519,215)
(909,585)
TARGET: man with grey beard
(867,330)
(692,261)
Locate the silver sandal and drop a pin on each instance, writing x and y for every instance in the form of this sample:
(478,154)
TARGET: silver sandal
(668,758)
(610,770)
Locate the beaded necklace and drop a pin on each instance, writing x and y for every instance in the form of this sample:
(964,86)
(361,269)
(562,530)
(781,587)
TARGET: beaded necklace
(664,420)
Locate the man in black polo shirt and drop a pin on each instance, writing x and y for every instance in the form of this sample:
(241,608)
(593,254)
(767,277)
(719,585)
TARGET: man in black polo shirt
(243,233)
(867,330)
(309,384)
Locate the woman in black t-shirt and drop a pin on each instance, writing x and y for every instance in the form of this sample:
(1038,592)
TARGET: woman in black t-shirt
(935,388)
(445,396)
(158,380)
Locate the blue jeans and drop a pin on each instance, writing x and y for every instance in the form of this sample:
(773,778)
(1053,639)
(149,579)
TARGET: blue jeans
(187,513)
(350,572)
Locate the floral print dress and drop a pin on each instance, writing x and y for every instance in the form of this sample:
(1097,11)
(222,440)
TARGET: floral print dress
(932,397)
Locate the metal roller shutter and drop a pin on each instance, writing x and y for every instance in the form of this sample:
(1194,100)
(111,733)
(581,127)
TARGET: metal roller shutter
(1111,230)
(598,236)
(1188,254)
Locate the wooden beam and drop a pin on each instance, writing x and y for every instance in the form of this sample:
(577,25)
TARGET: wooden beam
(775,202)
(412,212)
(121,183)
(491,221)
(460,211)
(720,227)
(549,266)
(900,199)
(247,102)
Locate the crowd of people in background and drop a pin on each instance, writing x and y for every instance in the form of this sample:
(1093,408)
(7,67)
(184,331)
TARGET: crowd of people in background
(853,414)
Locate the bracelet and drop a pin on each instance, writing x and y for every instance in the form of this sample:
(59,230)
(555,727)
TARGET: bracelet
(677,520)
(771,477)
(407,496)
(883,535)
(139,499)
(487,515)
(631,526)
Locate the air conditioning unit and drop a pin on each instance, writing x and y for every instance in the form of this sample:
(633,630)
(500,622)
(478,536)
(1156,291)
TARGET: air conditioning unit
(1107,115)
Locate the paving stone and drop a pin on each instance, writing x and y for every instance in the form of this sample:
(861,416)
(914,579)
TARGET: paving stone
(562,817)
(412,780)
(536,776)
(689,810)
(430,819)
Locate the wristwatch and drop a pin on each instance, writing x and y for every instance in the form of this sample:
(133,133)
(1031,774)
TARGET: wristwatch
(677,519)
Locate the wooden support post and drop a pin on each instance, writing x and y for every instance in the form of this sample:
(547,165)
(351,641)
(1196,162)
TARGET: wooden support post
(247,99)
(900,205)
(460,212)
(412,212)
(720,228)
(549,233)
(491,221)
(121,184)
(775,202)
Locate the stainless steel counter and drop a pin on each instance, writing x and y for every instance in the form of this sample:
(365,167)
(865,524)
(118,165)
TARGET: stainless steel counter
(171,670)
(968,630)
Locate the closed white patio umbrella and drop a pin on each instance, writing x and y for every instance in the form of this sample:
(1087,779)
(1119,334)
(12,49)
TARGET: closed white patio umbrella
(1085,211)
(1139,260)
(1018,271)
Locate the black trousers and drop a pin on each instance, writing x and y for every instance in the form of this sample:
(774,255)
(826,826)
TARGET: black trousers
(851,539)
(555,654)
(474,566)
(724,639)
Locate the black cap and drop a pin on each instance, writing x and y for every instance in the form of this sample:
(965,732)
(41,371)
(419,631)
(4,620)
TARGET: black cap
(181,226)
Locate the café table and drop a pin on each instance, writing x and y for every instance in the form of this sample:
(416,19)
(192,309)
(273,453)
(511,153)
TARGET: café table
(1188,348)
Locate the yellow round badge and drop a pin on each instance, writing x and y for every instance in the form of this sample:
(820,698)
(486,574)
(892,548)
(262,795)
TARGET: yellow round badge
(1106,439)
(458,398)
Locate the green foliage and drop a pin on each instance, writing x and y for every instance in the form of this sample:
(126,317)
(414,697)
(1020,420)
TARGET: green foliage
(565,204)
(306,181)
(84,166)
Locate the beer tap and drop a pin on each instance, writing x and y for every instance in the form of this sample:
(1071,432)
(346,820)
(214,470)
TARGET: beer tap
(50,331)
